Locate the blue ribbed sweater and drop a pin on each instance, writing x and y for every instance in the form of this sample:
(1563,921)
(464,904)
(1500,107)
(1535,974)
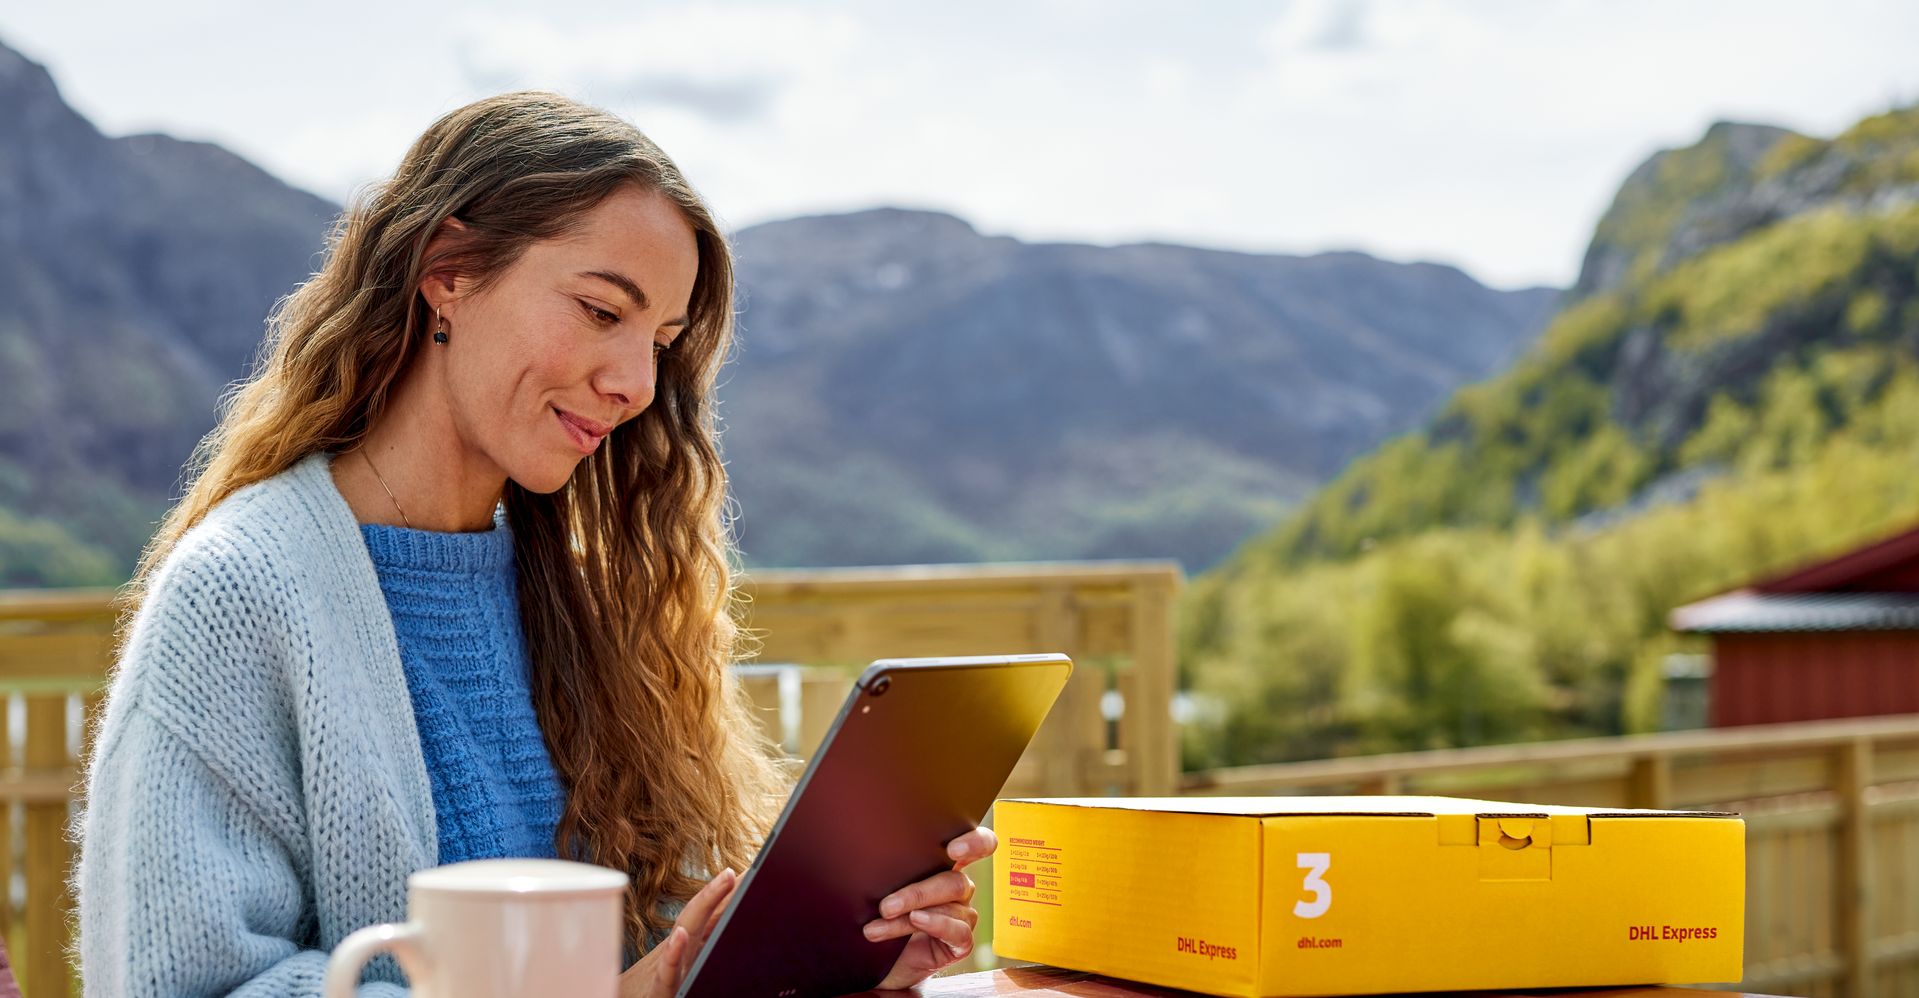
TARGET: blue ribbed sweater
(457,618)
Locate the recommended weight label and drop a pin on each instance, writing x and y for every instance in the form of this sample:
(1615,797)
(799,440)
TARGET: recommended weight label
(1035,871)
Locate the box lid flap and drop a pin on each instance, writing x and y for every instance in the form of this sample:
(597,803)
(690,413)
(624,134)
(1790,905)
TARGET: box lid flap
(1381,805)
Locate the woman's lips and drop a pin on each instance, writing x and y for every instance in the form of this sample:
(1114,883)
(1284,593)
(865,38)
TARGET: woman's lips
(580,431)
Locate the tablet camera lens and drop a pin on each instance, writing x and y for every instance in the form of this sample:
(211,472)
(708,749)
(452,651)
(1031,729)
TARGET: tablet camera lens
(880,685)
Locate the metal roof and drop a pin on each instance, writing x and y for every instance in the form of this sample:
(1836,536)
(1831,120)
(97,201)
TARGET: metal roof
(1753,612)
(1853,571)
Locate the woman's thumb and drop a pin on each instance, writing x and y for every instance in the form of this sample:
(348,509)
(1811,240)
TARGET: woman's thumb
(666,976)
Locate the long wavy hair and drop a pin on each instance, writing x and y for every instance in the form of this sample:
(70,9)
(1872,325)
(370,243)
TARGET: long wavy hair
(626,581)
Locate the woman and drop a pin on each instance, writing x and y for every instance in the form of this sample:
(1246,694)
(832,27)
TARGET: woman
(452,581)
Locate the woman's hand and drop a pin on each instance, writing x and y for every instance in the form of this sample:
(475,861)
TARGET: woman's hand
(659,972)
(938,911)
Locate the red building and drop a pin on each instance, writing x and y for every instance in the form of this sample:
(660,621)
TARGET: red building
(1835,639)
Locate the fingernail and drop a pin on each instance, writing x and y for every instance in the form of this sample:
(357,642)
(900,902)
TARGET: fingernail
(890,907)
(872,930)
(920,916)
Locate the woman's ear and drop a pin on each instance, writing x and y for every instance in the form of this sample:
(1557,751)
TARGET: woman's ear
(440,285)
(440,289)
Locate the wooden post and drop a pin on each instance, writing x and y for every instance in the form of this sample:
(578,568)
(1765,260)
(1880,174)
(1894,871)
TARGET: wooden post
(1852,887)
(47,853)
(6,820)
(1060,741)
(1154,755)
(1076,736)
(1384,783)
(822,691)
(1649,782)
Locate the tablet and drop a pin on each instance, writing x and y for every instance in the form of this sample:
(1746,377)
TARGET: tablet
(918,753)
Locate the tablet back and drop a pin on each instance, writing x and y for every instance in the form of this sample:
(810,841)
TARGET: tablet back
(919,752)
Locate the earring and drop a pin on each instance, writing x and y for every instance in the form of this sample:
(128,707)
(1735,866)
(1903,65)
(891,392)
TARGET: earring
(439,335)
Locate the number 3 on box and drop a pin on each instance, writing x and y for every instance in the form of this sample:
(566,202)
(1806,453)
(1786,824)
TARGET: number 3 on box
(1315,864)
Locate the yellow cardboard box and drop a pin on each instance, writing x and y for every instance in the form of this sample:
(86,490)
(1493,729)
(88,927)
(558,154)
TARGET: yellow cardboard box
(1264,896)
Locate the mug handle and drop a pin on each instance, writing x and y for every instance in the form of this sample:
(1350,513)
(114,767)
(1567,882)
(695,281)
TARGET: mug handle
(351,956)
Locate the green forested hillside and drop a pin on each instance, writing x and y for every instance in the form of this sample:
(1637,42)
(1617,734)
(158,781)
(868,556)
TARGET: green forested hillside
(1732,390)
(38,552)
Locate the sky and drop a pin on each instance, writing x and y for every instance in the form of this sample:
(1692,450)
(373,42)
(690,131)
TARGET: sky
(1486,134)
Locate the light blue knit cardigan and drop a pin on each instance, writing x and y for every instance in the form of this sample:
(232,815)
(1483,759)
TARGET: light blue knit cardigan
(256,790)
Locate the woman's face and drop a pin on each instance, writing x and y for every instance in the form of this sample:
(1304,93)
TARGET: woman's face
(541,366)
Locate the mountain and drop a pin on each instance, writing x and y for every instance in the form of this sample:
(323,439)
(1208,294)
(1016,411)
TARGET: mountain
(905,388)
(1730,387)
(909,389)
(135,276)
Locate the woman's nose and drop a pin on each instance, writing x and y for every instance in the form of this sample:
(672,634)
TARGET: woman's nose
(627,384)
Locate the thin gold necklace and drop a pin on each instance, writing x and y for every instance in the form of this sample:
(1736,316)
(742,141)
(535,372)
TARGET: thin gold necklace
(389,492)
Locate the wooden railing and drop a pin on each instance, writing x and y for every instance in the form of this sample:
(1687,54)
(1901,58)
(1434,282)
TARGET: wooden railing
(817,629)
(1115,619)
(1832,808)
(1832,826)
(53,655)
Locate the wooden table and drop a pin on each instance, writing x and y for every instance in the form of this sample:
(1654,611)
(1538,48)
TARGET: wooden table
(1036,981)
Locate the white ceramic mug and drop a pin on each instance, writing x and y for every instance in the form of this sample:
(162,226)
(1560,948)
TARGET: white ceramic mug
(498,928)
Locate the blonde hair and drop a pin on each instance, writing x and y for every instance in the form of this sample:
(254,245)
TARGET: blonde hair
(625,573)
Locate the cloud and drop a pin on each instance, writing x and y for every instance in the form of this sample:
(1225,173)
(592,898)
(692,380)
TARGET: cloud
(728,100)
(1318,26)
(1344,28)
(726,65)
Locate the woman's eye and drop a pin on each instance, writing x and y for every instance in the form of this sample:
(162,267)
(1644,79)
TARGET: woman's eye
(601,315)
(660,348)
